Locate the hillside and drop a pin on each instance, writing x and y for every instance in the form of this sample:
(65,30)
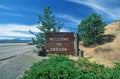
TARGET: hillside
(108,52)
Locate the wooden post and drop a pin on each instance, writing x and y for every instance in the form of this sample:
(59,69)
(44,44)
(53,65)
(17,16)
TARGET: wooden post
(81,53)
(76,45)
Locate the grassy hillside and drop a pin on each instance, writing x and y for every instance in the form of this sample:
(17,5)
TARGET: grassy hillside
(108,52)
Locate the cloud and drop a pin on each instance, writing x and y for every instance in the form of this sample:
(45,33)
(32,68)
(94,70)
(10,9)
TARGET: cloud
(4,7)
(64,30)
(110,8)
(70,22)
(16,30)
(11,14)
(68,18)
(2,38)
(13,31)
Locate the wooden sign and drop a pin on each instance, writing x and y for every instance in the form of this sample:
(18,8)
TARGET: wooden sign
(60,42)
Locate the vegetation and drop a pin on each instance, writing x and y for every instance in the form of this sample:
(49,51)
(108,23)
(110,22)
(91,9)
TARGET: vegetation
(91,29)
(61,67)
(103,49)
(118,27)
(47,23)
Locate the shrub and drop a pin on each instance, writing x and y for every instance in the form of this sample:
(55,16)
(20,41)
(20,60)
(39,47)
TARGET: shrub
(61,67)
(58,67)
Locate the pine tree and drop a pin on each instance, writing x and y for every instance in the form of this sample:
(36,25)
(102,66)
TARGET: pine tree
(91,29)
(47,23)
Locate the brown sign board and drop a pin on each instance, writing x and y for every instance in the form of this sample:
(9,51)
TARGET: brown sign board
(60,42)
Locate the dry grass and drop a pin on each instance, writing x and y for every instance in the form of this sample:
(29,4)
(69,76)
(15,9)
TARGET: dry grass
(107,63)
(107,53)
(103,50)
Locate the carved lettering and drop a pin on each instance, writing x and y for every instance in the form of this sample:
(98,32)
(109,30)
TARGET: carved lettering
(59,44)
(59,39)
(58,49)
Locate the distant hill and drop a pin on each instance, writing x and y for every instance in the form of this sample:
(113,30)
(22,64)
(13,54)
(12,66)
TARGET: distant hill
(14,41)
(108,52)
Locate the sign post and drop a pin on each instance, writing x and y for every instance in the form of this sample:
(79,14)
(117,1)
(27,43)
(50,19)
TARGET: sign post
(60,43)
(76,44)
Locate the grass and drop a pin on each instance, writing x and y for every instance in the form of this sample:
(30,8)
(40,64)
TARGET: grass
(101,49)
(118,27)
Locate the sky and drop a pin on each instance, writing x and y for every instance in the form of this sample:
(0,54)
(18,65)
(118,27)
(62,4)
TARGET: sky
(17,17)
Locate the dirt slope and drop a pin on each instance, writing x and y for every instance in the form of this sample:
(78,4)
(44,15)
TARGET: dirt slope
(108,52)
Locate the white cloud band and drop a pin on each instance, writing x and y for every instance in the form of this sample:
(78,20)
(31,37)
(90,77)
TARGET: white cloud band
(105,7)
(10,30)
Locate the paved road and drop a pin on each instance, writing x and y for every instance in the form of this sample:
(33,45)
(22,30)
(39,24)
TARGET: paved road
(14,67)
(12,49)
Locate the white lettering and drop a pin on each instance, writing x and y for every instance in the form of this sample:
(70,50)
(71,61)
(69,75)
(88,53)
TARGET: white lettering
(58,44)
(59,39)
(58,49)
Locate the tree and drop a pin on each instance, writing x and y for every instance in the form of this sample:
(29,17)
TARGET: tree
(47,23)
(91,29)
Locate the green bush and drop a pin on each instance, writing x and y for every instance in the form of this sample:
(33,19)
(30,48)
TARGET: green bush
(58,67)
(61,67)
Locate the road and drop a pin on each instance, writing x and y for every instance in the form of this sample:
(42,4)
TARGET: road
(14,67)
(12,49)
